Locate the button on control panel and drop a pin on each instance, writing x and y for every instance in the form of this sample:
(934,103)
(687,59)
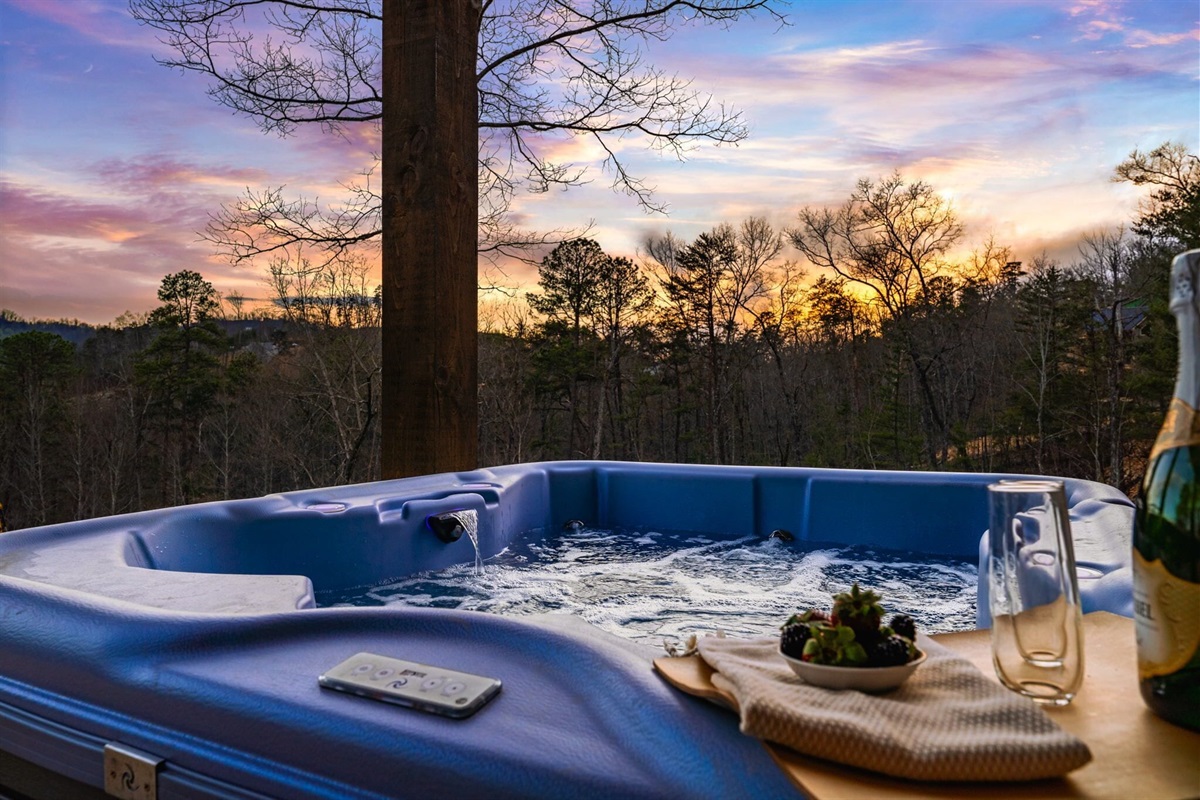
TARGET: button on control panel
(407,683)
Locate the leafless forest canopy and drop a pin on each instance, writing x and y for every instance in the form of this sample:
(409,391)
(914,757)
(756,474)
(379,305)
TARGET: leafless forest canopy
(855,337)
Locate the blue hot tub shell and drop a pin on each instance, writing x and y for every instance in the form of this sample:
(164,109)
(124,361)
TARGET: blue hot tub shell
(192,634)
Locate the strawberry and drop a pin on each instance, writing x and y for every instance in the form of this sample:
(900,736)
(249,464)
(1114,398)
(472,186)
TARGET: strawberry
(859,610)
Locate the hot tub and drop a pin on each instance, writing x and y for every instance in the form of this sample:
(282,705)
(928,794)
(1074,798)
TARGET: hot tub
(191,636)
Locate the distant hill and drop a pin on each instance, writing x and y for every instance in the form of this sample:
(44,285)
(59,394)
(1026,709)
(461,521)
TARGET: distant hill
(77,332)
(73,331)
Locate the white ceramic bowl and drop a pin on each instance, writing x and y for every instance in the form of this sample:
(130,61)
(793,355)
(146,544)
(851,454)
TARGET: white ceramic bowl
(864,679)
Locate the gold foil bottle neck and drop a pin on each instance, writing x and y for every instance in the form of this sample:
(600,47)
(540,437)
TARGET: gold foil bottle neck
(1181,428)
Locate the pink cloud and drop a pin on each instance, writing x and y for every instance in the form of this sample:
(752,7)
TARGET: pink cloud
(1143,38)
(1098,28)
(93,255)
(26,212)
(164,171)
(1107,7)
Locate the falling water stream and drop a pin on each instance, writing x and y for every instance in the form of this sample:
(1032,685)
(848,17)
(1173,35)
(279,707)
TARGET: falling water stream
(470,522)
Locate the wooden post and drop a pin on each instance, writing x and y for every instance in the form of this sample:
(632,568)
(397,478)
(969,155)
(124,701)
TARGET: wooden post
(430,416)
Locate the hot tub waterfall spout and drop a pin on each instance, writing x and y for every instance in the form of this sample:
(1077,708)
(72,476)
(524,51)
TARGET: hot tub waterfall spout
(451,525)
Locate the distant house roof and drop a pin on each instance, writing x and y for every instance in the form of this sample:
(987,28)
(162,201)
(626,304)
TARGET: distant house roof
(1130,314)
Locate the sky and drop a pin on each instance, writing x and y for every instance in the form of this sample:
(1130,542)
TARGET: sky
(1017,111)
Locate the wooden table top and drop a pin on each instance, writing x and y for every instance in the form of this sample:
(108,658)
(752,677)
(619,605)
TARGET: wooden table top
(1136,755)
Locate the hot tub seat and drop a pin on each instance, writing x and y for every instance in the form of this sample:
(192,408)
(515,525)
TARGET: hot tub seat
(115,567)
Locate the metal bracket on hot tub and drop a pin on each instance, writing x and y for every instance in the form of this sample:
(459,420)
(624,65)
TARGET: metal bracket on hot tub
(130,774)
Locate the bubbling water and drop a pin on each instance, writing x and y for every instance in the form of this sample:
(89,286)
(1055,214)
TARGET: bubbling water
(651,586)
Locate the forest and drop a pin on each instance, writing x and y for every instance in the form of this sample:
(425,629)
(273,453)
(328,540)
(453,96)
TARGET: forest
(870,335)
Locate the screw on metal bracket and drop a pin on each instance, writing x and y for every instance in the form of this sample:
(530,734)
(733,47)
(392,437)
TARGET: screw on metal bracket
(130,774)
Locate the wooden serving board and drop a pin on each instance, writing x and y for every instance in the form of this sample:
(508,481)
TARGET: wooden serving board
(1135,754)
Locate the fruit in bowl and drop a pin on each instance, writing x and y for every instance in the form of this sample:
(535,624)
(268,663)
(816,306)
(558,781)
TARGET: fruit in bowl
(849,647)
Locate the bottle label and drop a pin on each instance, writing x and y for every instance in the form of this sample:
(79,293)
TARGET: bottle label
(1181,428)
(1166,616)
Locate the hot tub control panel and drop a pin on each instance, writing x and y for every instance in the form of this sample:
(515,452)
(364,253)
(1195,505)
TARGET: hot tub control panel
(407,683)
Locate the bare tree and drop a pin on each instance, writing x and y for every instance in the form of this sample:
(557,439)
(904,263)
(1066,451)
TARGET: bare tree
(714,287)
(624,300)
(35,369)
(335,370)
(507,411)
(547,70)
(1108,260)
(1044,326)
(891,238)
(778,326)
(1172,210)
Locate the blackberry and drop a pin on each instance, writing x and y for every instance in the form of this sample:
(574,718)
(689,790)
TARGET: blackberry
(791,641)
(904,625)
(890,652)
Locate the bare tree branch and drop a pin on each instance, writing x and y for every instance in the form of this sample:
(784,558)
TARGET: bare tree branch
(548,71)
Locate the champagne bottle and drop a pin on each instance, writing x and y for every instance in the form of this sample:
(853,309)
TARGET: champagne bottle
(1166,535)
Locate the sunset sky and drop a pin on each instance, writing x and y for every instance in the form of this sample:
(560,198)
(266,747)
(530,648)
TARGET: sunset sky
(1017,110)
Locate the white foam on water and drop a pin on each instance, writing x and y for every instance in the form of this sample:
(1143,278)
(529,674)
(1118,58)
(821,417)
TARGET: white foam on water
(654,585)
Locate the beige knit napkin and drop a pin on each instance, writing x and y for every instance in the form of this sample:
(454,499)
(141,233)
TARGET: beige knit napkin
(947,722)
